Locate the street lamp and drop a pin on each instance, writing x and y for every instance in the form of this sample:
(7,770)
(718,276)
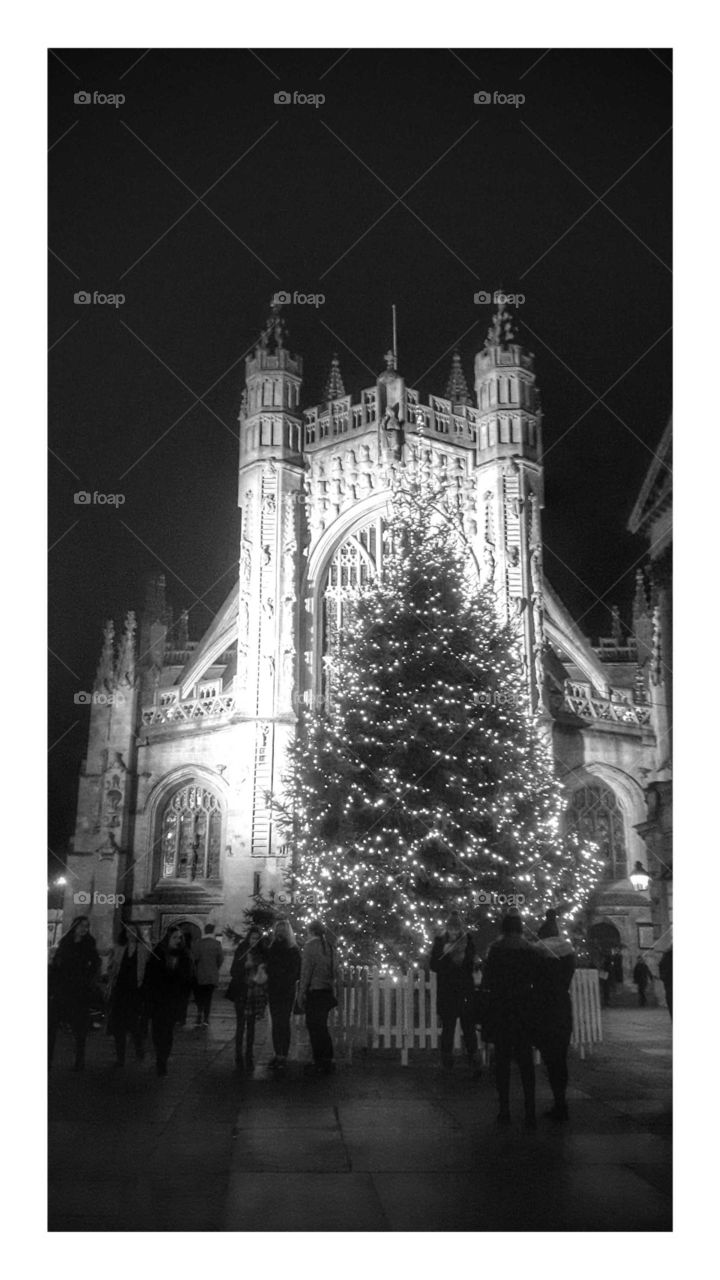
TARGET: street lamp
(639,878)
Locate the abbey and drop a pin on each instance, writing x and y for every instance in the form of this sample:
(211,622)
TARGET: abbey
(187,738)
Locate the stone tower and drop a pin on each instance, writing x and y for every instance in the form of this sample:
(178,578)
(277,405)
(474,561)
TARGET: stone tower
(270,480)
(509,491)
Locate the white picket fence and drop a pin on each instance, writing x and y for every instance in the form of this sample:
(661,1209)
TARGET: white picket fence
(399,1011)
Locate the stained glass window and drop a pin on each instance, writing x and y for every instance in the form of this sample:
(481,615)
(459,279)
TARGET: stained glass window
(191,835)
(595,815)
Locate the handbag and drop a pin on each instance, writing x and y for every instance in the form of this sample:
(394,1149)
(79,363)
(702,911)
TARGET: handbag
(260,977)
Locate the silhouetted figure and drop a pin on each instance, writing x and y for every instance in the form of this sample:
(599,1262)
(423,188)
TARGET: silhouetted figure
(283,966)
(554,1010)
(168,982)
(316,996)
(607,979)
(511,969)
(641,977)
(452,958)
(248,992)
(665,970)
(208,956)
(72,987)
(127,998)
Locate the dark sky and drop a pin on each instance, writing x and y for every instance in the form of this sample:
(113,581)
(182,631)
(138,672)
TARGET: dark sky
(494,191)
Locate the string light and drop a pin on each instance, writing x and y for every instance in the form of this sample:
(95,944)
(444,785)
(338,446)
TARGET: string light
(427,785)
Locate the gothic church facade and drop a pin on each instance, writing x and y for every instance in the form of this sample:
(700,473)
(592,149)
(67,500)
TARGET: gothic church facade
(187,738)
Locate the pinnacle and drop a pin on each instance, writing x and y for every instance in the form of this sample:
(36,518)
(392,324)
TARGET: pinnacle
(457,388)
(334,387)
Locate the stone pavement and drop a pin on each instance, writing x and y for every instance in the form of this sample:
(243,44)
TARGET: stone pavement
(376,1147)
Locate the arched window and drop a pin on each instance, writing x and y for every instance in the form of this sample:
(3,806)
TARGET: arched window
(595,815)
(189,835)
(356,562)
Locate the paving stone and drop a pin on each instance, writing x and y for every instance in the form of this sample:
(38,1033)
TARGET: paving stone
(303,1202)
(286,1150)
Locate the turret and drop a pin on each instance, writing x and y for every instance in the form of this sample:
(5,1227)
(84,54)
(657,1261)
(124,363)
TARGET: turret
(270,423)
(506,395)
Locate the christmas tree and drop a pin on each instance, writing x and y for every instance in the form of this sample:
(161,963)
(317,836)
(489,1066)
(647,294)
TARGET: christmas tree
(425,783)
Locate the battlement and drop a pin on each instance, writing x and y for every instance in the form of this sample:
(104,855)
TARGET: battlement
(325,424)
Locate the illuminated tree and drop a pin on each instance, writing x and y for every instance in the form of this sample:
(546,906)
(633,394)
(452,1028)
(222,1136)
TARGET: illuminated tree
(426,784)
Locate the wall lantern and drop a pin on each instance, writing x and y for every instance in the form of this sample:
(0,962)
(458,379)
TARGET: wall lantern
(639,878)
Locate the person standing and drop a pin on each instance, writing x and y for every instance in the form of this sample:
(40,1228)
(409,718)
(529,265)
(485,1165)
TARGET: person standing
(607,978)
(168,980)
(248,992)
(665,970)
(127,1005)
(208,956)
(554,1010)
(511,970)
(453,958)
(316,996)
(283,966)
(641,977)
(72,987)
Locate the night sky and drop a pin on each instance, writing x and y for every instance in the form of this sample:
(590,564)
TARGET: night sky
(491,193)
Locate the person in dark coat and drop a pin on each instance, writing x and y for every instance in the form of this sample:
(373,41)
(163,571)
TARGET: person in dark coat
(510,973)
(641,978)
(283,966)
(127,998)
(554,1010)
(248,992)
(665,970)
(72,987)
(607,978)
(452,958)
(168,982)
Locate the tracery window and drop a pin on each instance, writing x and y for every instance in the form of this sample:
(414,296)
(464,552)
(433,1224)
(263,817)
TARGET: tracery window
(190,835)
(356,562)
(594,814)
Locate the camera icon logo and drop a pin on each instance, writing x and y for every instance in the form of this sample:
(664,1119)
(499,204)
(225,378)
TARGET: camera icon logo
(82,699)
(281,299)
(82,299)
(482,97)
(82,97)
(82,898)
(282,97)
(484,898)
(82,498)
(482,298)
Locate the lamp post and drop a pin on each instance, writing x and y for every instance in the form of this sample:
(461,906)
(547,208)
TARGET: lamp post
(639,878)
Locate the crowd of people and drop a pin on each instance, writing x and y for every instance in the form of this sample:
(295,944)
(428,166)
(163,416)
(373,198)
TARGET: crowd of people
(518,996)
(148,990)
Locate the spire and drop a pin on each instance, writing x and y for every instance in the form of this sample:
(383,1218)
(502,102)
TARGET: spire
(334,387)
(457,388)
(640,603)
(126,657)
(105,671)
(273,336)
(500,333)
